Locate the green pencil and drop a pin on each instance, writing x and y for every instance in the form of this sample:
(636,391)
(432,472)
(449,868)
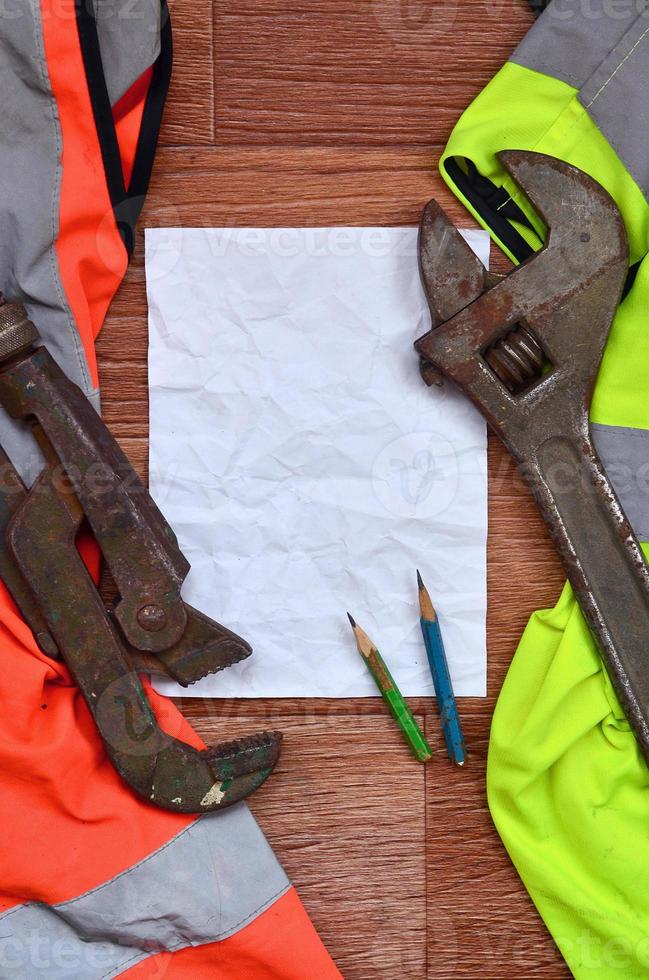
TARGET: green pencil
(392,695)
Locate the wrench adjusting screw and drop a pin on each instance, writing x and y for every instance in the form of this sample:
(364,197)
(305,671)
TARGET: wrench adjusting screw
(516,359)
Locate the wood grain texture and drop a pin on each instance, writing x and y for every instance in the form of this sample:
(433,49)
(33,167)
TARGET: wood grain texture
(190,115)
(356,855)
(376,72)
(333,112)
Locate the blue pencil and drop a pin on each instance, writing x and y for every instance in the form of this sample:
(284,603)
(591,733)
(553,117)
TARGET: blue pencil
(446,703)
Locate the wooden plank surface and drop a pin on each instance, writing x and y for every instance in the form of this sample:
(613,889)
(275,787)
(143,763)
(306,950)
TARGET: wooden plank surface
(334,112)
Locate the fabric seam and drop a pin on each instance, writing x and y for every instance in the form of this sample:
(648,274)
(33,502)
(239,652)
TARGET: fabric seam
(621,65)
(634,433)
(105,884)
(577,123)
(544,68)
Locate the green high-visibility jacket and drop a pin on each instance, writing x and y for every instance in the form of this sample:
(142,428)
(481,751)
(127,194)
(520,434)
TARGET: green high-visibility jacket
(568,788)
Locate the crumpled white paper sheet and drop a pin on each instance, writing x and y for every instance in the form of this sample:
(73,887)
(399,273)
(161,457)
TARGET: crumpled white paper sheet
(304,465)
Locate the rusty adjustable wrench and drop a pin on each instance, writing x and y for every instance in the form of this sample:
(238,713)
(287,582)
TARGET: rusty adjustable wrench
(526,349)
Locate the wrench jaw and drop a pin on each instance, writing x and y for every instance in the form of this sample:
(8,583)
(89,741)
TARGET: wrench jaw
(543,327)
(575,208)
(451,273)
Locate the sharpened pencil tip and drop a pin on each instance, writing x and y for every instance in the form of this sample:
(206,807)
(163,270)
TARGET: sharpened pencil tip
(351,620)
(426,607)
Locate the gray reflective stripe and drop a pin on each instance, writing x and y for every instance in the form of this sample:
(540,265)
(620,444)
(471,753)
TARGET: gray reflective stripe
(602,49)
(572,38)
(616,97)
(30,176)
(207,883)
(625,455)
(129,38)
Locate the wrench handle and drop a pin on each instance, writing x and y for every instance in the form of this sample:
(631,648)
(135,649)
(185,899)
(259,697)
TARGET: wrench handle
(604,563)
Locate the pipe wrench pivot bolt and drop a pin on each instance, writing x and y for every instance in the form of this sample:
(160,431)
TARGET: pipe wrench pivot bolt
(526,349)
(87,479)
